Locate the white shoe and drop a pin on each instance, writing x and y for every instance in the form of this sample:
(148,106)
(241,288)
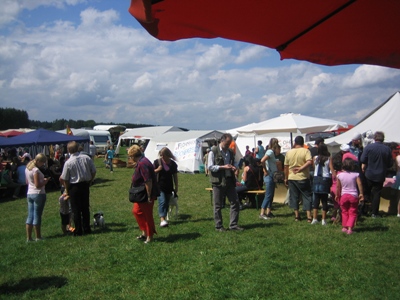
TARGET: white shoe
(164,223)
(314,221)
(398,215)
(264,217)
(323,222)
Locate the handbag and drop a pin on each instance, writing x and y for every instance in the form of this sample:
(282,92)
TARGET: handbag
(279,177)
(137,194)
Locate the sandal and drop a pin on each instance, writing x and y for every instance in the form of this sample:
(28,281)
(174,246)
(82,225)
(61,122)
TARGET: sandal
(309,220)
(297,219)
(141,237)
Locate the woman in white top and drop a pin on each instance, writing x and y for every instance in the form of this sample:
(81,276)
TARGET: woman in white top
(322,182)
(36,196)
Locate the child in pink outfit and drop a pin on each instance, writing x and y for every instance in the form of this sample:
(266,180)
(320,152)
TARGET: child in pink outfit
(347,194)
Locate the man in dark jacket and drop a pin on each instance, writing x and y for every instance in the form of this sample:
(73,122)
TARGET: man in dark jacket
(222,177)
(376,159)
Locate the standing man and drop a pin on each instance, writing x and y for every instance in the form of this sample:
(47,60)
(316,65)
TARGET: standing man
(92,150)
(260,151)
(78,173)
(223,179)
(376,159)
(297,177)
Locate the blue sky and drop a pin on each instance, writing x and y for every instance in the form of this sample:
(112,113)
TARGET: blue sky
(90,59)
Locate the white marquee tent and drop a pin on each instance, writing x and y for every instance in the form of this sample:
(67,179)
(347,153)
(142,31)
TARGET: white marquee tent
(145,133)
(383,118)
(187,146)
(282,128)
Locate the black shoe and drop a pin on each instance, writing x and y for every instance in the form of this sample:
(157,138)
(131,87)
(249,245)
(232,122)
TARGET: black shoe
(271,215)
(237,228)
(220,229)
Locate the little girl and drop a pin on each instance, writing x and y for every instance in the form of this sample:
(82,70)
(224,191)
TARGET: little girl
(347,194)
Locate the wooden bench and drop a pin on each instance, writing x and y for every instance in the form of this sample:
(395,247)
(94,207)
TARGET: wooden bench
(257,192)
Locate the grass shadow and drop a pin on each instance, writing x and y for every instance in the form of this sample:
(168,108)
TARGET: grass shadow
(261,225)
(176,237)
(110,227)
(372,228)
(32,284)
(99,180)
(187,219)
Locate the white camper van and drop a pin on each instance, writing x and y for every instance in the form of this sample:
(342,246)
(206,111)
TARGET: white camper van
(98,137)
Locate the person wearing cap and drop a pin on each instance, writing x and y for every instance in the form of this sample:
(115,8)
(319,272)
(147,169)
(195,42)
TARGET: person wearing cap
(376,159)
(356,146)
(345,148)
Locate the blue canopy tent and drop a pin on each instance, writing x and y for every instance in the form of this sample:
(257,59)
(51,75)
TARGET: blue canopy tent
(38,140)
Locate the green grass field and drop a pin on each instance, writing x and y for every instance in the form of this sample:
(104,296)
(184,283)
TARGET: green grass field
(272,259)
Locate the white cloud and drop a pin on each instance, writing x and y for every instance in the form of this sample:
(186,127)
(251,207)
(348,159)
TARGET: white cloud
(367,75)
(102,70)
(10,9)
(143,82)
(251,53)
(93,17)
(215,57)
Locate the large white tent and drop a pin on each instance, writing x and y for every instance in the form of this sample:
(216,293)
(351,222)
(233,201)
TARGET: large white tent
(187,146)
(145,133)
(383,118)
(282,128)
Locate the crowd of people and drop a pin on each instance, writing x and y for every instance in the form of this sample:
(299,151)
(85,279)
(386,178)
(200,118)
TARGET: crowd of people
(349,179)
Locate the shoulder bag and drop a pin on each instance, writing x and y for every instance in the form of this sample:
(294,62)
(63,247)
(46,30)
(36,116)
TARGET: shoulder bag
(137,194)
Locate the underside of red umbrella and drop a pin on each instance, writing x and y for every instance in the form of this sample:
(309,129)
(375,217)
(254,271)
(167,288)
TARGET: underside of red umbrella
(323,32)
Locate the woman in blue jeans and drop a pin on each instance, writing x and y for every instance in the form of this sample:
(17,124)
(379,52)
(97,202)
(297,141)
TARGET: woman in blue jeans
(167,177)
(36,196)
(269,167)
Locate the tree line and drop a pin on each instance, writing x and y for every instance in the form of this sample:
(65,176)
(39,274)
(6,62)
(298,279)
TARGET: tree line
(11,118)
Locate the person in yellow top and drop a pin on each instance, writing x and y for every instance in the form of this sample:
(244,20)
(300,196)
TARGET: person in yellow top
(297,177)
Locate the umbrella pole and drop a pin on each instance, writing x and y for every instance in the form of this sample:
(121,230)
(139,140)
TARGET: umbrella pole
(291,140)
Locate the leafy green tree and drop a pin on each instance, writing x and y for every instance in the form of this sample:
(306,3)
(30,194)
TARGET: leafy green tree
(13,118)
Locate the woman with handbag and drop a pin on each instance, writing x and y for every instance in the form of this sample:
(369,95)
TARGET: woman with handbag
(144,175)
(167,179)
(322,182)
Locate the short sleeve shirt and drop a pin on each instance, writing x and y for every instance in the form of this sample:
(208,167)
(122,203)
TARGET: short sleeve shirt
(297,157)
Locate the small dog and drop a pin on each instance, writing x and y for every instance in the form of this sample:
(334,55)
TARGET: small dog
(173,202)
(98,220)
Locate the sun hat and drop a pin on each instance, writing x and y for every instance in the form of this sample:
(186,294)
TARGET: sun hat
(345,147)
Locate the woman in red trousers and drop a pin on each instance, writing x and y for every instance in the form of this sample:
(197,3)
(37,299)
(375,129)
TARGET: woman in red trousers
(144,175)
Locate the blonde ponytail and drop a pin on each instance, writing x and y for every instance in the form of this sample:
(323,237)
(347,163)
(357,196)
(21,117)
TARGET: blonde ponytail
(39,158)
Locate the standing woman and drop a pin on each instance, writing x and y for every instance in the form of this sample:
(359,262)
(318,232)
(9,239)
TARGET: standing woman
(143,211)
(36,196)
(269,167)
(167,178)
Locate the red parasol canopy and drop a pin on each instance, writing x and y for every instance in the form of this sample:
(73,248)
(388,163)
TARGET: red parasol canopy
(11,133)
(323,32)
